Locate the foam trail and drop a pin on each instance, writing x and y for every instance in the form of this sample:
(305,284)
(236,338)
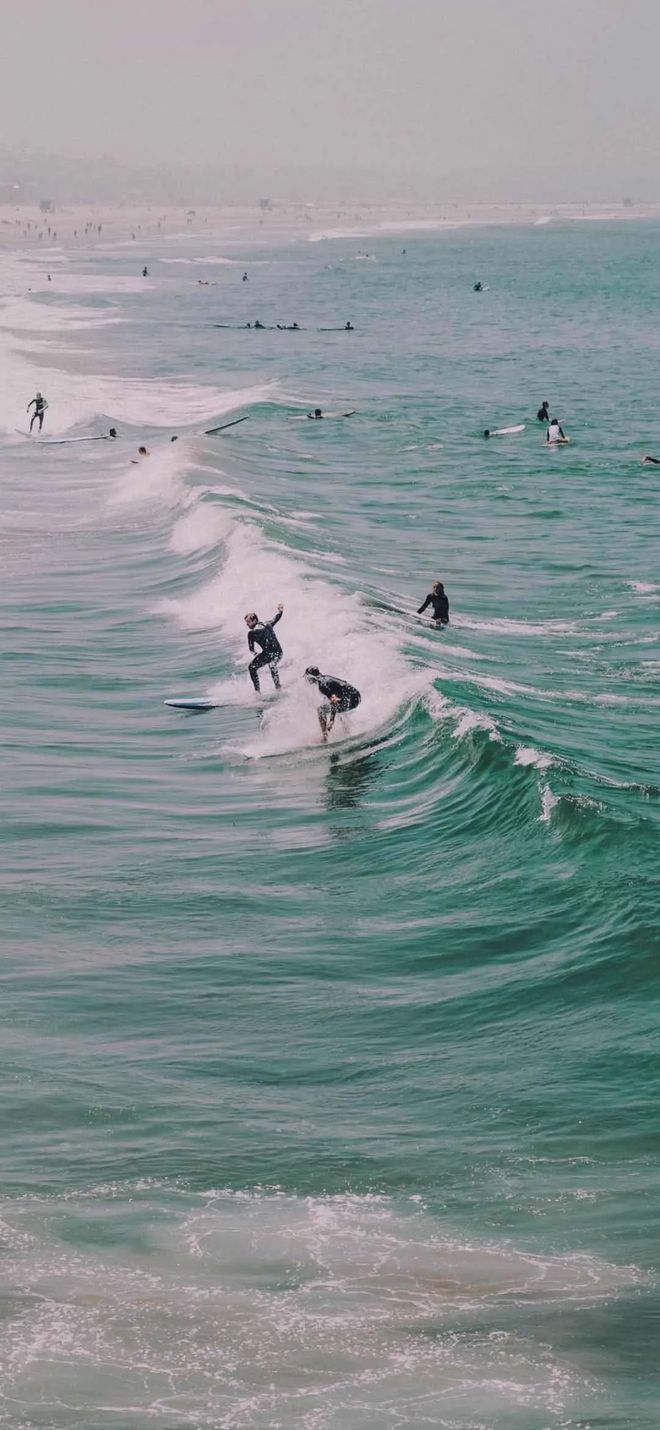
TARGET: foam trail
(322,625)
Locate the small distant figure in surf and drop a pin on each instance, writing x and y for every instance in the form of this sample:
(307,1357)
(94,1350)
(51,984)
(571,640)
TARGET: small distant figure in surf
(142,453)
(145,272)
(440,603)
(348,327)
(244,279)
(261,633)
(555,434)
(316,415)
(651,461)
(478,287)
(39,403)
(112,433)
(50,278)
(340,697)
(543,414)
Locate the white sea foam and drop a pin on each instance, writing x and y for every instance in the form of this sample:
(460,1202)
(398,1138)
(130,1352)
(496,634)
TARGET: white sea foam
(259,1308)
(528,755)
(549,801)
(644,588)
(209,259)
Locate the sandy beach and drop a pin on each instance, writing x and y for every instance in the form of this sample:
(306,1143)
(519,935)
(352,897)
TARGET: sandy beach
(87,227)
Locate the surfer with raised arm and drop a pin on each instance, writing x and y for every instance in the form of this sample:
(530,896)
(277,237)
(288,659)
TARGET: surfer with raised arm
(440,603)
(39,403)
(261,633)
(339,697)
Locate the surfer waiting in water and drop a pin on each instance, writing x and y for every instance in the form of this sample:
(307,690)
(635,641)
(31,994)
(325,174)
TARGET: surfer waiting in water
(339,697)
(348,327)
(142,453)
(478,287)
(316,415)
(651,461)
(543,414)
(39,403)
(555,434)
(145,272)
(438,600)
(244,279)
(261,633)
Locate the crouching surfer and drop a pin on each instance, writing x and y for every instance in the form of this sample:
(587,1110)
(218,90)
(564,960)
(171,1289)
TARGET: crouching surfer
(339,697)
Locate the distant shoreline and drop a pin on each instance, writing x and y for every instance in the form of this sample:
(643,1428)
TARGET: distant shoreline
(86,227)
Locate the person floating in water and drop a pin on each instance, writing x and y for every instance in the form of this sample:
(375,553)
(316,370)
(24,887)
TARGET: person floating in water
(142,453)
(478,287)
(651,461)
(348,327)
(145,272)
(438,600)
(339,697)
(261,633)
(244,278)
(555,434)
(39,403)
(543,414)
(316,415)
(113,432)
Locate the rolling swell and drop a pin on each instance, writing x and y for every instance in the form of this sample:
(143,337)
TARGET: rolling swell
(329,1073)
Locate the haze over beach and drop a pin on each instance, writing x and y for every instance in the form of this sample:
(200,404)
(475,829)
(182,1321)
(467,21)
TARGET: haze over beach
(328,534)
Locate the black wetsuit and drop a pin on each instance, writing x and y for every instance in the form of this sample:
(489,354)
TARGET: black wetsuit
(440,604)
(347,697)
(271,652)
(543,414)
(39,409)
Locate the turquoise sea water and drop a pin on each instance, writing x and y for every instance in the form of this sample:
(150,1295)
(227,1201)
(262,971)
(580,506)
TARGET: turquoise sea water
(330,1075)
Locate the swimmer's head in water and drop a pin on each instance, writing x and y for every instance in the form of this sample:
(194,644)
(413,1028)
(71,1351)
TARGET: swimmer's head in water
(142,452)
(318,412)
(312,673)
(251,618)
(112,432)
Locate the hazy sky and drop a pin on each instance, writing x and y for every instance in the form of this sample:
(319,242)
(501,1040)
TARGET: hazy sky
(491,93)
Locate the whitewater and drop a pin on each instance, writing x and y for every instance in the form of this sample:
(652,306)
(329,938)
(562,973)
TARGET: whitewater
(330,1072)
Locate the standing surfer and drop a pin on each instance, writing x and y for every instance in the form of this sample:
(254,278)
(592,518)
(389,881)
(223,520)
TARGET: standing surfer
(261,633)
(39,403)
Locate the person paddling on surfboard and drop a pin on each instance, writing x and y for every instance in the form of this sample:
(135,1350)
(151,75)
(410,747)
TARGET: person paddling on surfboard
(39,403)
(339,697)
(555,434)
(261,633)
(438,600)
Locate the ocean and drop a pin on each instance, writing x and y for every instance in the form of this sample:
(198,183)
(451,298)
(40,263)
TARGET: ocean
(330,1073)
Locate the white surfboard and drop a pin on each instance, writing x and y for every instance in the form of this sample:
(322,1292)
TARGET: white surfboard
(504,431)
